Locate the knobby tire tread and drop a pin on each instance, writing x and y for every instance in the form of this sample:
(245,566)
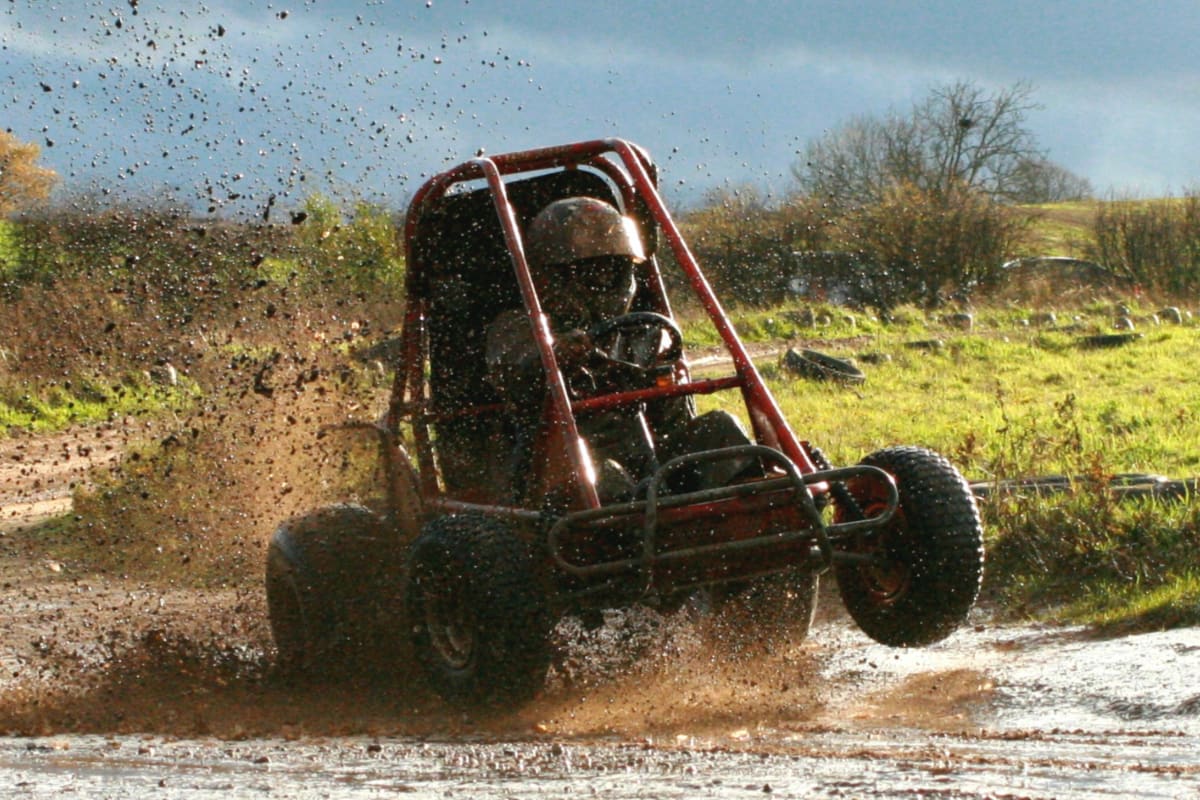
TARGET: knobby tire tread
(511,650)
(943,549)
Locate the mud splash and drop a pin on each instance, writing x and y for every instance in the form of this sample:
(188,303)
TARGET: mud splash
(84,658)
(669,714)
(157,684)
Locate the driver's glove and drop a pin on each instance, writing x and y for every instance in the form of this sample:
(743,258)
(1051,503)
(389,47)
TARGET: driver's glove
(572,347)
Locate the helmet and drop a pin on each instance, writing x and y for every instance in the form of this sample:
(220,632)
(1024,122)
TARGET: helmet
(582,252)
(578,228)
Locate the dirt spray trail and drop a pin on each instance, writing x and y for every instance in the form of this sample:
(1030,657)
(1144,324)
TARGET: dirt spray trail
(867,723)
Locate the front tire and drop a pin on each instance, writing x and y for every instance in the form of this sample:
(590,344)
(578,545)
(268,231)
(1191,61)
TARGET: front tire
(479,617)
(929,565)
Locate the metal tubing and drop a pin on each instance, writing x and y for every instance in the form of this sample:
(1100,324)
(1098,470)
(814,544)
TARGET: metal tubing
(540,325)
(831,533)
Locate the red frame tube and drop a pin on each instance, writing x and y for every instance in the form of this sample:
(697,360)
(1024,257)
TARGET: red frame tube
(635,180)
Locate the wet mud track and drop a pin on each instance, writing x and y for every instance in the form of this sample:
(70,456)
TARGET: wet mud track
(38,473)
(117,689)
(996,711)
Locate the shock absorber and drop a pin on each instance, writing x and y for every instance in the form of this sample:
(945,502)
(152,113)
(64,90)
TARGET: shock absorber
(841,493)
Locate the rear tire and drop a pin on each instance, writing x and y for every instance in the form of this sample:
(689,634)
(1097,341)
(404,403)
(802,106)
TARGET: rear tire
(332,582)
(478,613)
(296,635)
(932,550)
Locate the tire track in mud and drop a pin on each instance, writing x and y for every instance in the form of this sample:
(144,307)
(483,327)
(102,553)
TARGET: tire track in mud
(39,472)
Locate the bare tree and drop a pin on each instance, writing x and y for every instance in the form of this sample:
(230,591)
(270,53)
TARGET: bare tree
(959,137)
(1041,181)
(970,138)
(854,163)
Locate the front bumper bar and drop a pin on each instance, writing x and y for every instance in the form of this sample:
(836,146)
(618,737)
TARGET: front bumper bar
(659,510)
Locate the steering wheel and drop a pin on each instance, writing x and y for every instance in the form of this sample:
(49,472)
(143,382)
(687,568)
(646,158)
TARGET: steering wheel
(644,358)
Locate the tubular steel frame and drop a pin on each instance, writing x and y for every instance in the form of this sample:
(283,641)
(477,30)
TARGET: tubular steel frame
(630,170)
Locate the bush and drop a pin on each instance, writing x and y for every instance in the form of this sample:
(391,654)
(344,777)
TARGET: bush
(922,247)
(746,246)
(913,246)
(169,260)
(153,256)
(364,254)
(1156,244)
(144,286)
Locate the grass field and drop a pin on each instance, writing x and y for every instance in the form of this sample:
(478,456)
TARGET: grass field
(1011,400)
(1008,399)
(1062,229)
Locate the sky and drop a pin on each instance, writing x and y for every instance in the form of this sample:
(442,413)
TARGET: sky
(222,104)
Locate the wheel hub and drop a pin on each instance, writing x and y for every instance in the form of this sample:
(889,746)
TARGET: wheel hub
(449,624)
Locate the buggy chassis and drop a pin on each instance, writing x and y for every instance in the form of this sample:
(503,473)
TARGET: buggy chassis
(488,572)
(803,481)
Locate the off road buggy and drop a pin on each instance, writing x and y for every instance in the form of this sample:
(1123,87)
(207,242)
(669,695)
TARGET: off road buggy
(474,575)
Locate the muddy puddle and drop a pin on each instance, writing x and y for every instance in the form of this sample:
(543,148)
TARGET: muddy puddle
(116,688)
(133,693)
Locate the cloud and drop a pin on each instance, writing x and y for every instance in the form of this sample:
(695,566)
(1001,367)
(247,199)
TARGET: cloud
(363,94)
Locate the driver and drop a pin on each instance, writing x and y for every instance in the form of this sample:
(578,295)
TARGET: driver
(582,255)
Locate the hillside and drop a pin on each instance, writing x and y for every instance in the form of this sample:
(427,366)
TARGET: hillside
(1062,229)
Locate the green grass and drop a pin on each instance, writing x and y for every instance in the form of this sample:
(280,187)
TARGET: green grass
(1130,607)
(1062,229)
(1082,557)
(279,270)
(1006,400)
(8,247)
(49,407)
(1003,397)
(1028,402)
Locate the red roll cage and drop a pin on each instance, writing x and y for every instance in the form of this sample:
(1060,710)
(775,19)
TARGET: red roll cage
(630,170)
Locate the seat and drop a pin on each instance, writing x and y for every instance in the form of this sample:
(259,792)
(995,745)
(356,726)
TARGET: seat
(469,281)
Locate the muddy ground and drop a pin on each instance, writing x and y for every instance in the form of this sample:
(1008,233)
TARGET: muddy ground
(111,687)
